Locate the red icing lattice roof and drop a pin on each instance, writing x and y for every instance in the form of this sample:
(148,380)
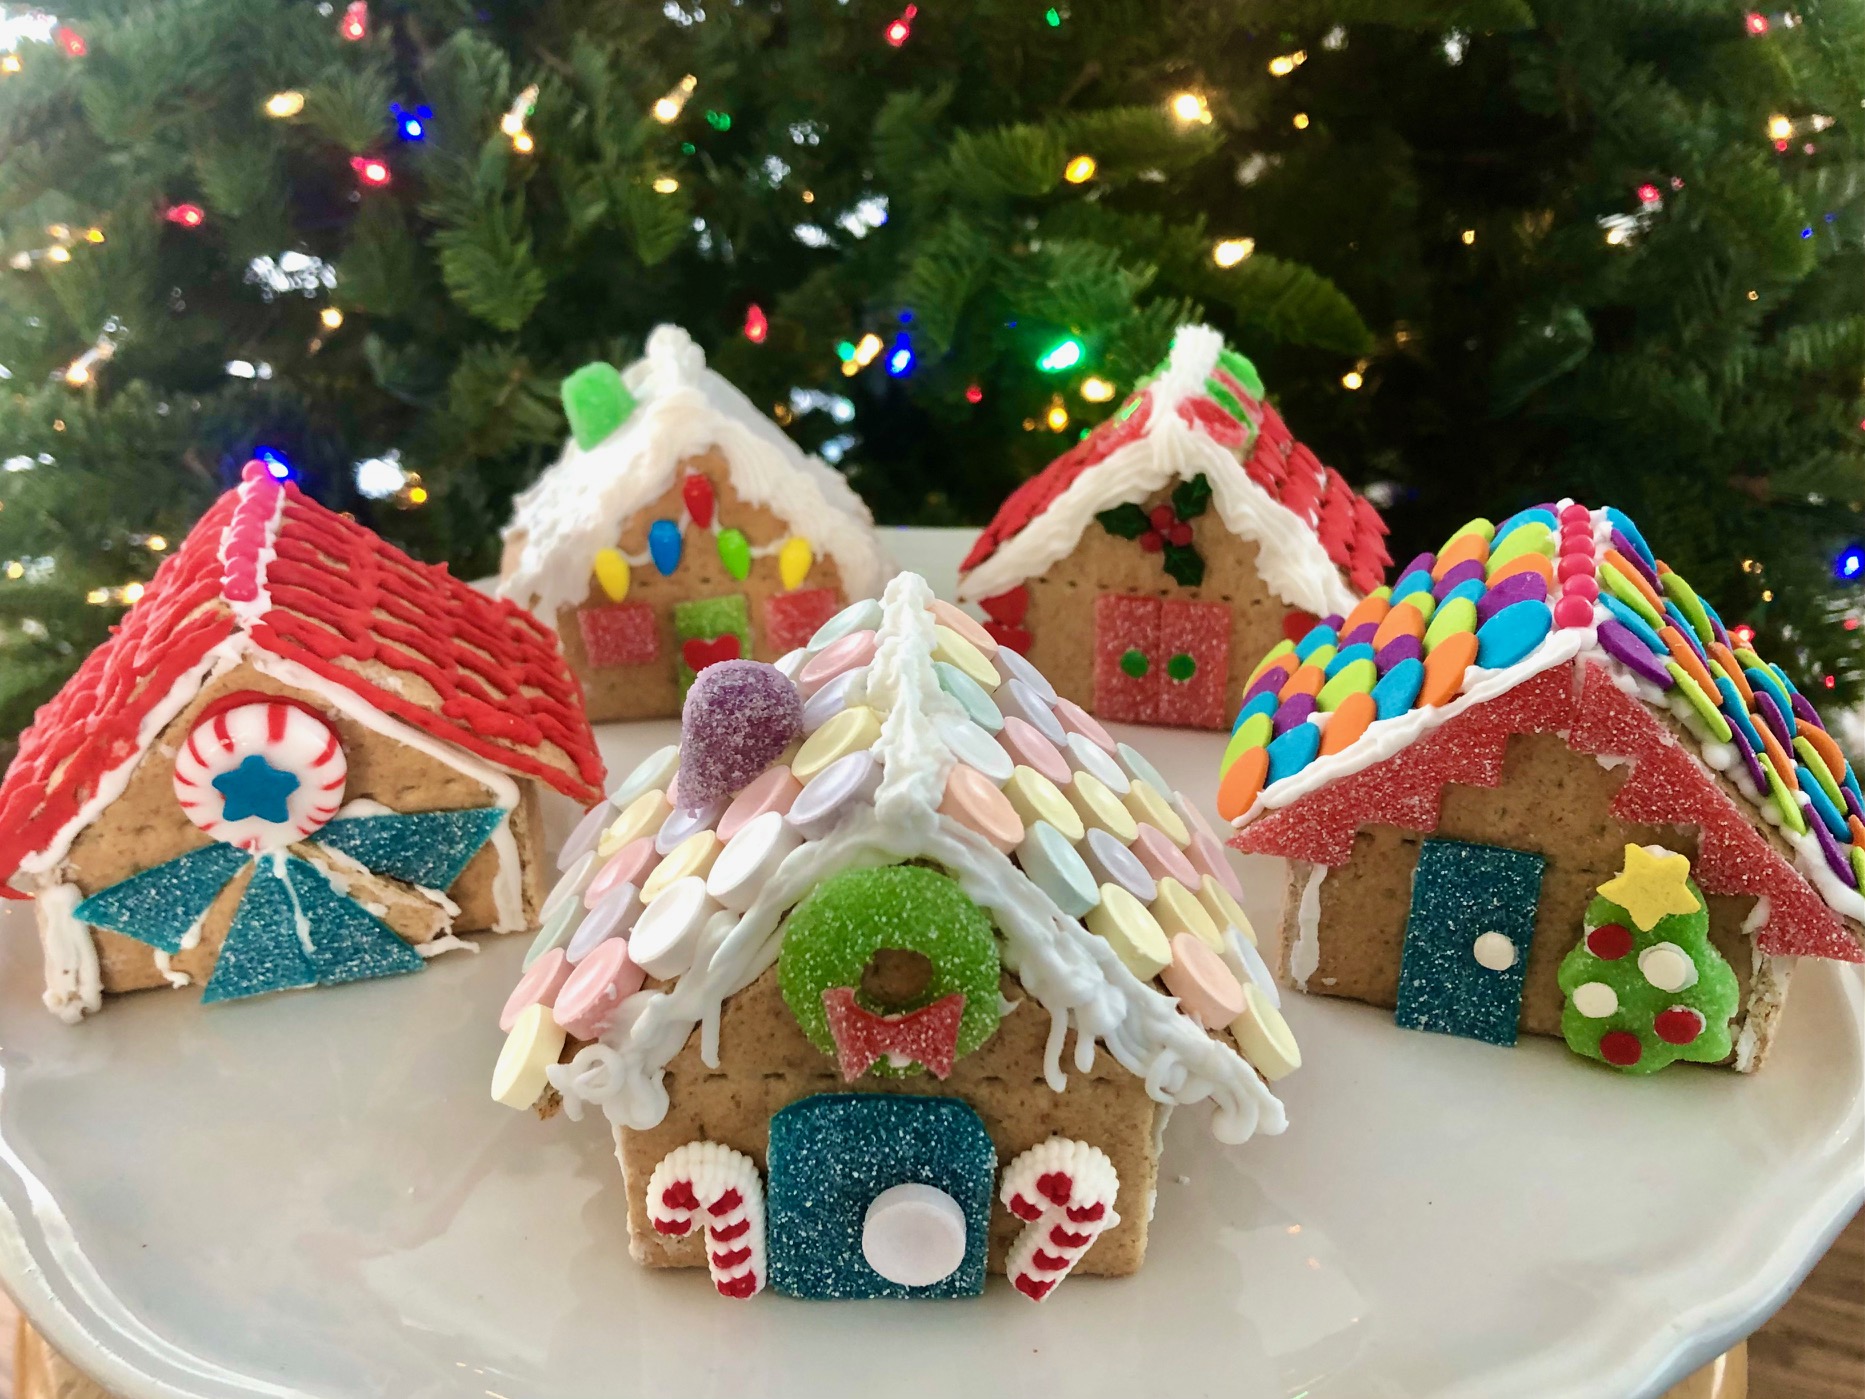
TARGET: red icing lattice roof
(331,596)
(1665,786)
(1346,524)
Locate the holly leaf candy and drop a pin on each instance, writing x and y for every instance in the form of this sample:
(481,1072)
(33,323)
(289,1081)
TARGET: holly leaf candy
(1185,564)
(1189,498)
(1125,521)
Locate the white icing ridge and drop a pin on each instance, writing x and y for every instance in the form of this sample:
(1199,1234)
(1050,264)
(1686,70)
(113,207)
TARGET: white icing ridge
(1290,557)
(1070,972)
(73,984)
(578,506)
(1305,956)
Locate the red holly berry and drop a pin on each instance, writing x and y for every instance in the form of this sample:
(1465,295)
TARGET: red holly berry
(1179,535)
(1621,1048)
(1162,517)
(1610,941)
(1678,1025)
(1152,541)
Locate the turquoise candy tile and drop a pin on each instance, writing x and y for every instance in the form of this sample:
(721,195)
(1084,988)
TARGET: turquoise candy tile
(428,848)
(158,905)
(1398,688)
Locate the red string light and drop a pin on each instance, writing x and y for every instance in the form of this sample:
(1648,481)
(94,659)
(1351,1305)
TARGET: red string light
(1757,22)
(756,325)
(71,41)
(371,170)
(354,25)
(974,394)
(1648,193)
(898,32)
(187,215)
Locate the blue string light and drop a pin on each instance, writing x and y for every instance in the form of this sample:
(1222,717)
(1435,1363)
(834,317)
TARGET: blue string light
(900,357)
(411,125)
(276,462)
(1850,563)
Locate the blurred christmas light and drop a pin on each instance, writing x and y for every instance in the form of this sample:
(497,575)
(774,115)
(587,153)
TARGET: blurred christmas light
(1828,681)
(1352,379)
(187,215)
(378,478)
(9,63)
(1231,251)
(1052,17)
(83,369)
(132,592)
(523,144)
(372,170)
(1299,121)
(1190,107)
(1468,236)
(665,184)
(513,122)
(1286,63)
(93,235)
(58,252)
(1649,193)
(667,109)
(1756,22)
(900,30)
(274,461)
(1064,354)
(1096,389)
(354,25)
(845,350)
(71,41)
(411,126)
(719,121)
(331,317)
(1850,563)
(1779,127)
(155,543)
(756,325)
(417,495)
(974,393)
(900,358)
(1079,170)
(285,104)
(866,349)
(1057,416)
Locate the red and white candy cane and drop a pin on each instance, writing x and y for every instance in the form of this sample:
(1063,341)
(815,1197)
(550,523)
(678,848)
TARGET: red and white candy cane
(290,760)
(722,1187)
(1064,1190)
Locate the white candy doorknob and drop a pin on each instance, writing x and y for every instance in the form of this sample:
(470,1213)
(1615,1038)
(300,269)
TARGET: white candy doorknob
(914,1235)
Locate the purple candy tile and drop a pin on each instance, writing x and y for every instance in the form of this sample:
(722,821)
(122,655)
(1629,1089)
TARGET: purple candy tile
(1424,561)
(1518,587)
(1836,859)
(1295,710)
(1716,629)
(1622,642)
(1272,680)
(1853,806)
(1629,552)
(1459,573)
(1400,648)
(1364,633)
(1772,716)
(1333,619)
(1805,710)
(1748,756)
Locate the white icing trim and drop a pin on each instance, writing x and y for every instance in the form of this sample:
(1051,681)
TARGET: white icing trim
(579,506)
(1290,557)
(1305,956)
(1073,974)
(73,984)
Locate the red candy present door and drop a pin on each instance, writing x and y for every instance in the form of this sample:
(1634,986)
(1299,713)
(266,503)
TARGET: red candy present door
(1158,661)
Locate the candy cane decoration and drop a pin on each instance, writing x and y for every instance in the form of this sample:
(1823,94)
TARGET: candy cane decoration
(1064,1190)
(260,772)
(725,1184)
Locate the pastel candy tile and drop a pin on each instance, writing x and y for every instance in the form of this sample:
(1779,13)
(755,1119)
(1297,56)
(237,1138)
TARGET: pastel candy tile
(864,615)
(1207,989)
(531,1047)
(956,651)
(538,986)
(964,624)
(1020,700)
(750,859)
(588,831)
(1178,910)
(1111,862)
(844,785)
(666,935)
(971,696)
(1077,720)
(1014,667)
(1148,804)
(1162,858)
(974,801)
(1025,745)
(1035,798)
(773,790)
(849,732)
(972,745)
(691,857)
(641,817)
(838,657)
(653,772)
(1123,923)
(613,915)
(1083,755)
(832,698)
(589,1000)
(1053,865)
(1101,809)
(685,822)
(1137,766)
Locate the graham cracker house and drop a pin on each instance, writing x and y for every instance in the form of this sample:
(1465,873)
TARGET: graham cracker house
(1537,786)
(301,758)
(1145,569)
(680,528)
(903,993)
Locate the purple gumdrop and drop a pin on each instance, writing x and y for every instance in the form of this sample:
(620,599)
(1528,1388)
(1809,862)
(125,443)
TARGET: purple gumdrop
(1741,742)
(1804,710)
(1835,857)
(1772,716)
(1629,552)
(1295,710)
(1361,635)
(1527,586)
(739,716)
(1622,642)
(1400,648)
(1457,575)
(1423,561)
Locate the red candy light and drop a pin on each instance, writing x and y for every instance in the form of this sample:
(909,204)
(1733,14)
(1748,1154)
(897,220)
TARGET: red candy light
(696,491)
(898,32)
(354,25)
(187,215)
(756,325)
(371,170)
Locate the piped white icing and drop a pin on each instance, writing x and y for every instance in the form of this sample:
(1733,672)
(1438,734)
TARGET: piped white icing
(1071,973)
(73,984)
(1290,557)
(1305,956)
(682,409)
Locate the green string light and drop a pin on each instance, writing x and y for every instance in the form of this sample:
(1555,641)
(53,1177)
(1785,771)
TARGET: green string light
(1064,354)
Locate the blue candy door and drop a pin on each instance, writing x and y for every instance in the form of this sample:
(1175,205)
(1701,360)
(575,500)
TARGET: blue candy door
(833,1155)
(1467,939)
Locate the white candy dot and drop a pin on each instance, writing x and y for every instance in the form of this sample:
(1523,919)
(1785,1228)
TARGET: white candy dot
(1595,1000)
(1495,951)
(1667,966)
(914,1235)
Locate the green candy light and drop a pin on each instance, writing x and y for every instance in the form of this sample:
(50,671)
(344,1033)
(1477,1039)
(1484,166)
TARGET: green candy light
(735,553)
(1064,354)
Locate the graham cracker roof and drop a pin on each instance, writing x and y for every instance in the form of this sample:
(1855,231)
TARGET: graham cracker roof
(1202,411)
(269,570)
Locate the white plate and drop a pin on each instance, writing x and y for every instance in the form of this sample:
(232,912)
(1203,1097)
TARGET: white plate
(311,1194)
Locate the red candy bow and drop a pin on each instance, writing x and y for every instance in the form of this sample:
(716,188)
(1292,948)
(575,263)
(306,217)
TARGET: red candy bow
(927,1036)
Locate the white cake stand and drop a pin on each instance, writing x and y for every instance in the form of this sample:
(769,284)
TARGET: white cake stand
(312,1195)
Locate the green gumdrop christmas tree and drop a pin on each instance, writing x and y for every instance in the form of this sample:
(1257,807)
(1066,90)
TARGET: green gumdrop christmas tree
(1644,986)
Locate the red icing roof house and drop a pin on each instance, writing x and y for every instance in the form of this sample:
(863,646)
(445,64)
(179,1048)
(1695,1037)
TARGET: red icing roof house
(1145,568)
(455,693)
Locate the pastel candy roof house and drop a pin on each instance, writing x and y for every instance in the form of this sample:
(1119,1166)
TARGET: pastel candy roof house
(907,768)
(269,576)
(1202,412)
(681,409)
(1560,620)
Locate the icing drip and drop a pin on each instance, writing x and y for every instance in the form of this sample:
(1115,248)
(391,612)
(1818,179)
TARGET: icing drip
(1306,955)
(73,984)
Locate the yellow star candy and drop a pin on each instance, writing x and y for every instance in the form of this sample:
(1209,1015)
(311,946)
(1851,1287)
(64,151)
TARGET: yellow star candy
(1653,885)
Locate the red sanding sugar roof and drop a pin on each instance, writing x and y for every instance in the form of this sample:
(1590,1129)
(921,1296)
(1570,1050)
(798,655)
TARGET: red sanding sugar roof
(329,595)
(1347,525)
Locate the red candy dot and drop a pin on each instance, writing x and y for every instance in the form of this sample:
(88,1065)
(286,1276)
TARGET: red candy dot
(1620,1048)
(1610,941)
(1573,611)
(1573,566)
(1678,1025)
(1575,511)
(1162,518)
(1582,585)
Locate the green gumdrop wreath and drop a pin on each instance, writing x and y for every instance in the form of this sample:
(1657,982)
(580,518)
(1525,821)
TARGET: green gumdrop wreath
(831,936)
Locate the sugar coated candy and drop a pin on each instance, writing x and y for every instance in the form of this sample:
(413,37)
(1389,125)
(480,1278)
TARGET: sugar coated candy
(739,718)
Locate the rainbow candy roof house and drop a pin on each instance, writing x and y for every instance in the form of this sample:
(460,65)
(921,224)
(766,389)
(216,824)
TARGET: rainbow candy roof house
(1144,568)
(1538,785)
(837,968)
(301,758)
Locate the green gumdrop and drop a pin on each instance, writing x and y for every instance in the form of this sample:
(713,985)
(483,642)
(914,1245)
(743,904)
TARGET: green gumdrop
(735,553)
(832,935)
(596,401)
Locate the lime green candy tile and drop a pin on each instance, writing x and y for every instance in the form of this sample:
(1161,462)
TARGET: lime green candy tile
(1784,799)
(1354,678)
(1457,615)
(1705,707)
(1616,583)
(1529,537)
(1479,526)
(1680,592)
(1817,766)
(1253,733)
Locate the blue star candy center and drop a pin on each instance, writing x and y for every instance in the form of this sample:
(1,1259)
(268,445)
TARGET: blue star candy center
(255,788)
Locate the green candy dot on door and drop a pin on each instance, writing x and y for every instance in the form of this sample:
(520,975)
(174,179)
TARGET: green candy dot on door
(1134,662)
(1181,667)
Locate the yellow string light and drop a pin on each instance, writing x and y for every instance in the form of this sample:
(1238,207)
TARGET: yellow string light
(331,317)
(1080,170)
(9,63)
(93,235)
(1284,64)
(1191,108)
(15,569)
(1300,121)
(668,108)
(666,184)
(1231,251)
(1779,128)
(866,349)
(1096,389)
(523,144)
(513,122)
(1351,379)
(417,495)
(132,592)
(1468,236)
(285,104)
(1057,416)
(156,543)
(58,253)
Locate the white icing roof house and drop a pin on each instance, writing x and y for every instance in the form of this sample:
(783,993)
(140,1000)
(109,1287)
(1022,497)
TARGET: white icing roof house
(887,976)
(1147,567)
(680,528)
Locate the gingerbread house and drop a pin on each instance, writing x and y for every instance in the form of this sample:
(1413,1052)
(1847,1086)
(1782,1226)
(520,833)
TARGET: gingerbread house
(1538,786)
(301,758)
(873,932)
(680,528)
(1145,569)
